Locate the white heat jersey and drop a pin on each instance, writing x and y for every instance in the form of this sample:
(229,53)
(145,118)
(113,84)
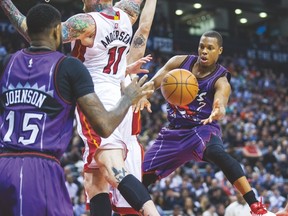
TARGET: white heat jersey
(106,60)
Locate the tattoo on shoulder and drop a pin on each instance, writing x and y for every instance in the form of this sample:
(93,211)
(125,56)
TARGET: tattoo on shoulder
(130,7)
(76,26)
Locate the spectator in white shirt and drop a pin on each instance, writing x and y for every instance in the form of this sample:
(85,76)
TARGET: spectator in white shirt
(238,207)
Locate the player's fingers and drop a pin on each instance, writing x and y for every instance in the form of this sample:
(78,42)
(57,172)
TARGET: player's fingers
(143,71)
(142,80)
(204,121)
(149,56)
(142,61)
(135,79)
(136,109)
(210,119)
(148,85)
(148,107)
(147,92)
(147,59)
(140,71)
(142,106)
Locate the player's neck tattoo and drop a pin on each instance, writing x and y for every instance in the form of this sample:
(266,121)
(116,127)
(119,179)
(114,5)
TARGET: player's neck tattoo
(99,6)
(105,8)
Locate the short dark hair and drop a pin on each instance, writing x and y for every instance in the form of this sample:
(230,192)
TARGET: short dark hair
(41,17)
(216,35)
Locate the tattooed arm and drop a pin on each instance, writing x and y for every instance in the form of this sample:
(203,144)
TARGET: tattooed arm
(17,19)
(131,7)
(104,122)
(80,26)
(139,41)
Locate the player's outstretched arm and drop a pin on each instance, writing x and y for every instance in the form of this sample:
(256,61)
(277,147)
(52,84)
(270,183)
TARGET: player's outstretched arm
(221,97)
(17,19)
(131,7)
(79,26)
(104,122)
(139,40)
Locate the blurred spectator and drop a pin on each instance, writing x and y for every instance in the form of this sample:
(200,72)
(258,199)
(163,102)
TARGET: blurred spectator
(275,199)
(210,211)
(238,207)
(71,187)
(80,205)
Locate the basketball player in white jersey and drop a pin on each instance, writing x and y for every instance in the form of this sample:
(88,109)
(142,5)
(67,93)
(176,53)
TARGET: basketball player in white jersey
(133,161)
(102,38)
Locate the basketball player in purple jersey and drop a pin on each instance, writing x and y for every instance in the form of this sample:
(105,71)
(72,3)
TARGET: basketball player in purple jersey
(101,38)
(39,91)
(193,132)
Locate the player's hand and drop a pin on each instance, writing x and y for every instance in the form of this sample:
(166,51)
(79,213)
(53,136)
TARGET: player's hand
(217,113)
(136,89)
(142,103)
(135,67)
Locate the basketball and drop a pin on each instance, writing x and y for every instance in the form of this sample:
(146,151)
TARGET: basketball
(179,87)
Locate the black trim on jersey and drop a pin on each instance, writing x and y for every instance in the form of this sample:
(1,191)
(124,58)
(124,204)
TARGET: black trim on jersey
(224,74)
(184,61)
(57,80)
(73,80)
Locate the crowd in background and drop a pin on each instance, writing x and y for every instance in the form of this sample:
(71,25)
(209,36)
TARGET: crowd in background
(255,132)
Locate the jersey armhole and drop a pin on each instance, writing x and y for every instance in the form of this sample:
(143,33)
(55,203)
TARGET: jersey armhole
(56,71)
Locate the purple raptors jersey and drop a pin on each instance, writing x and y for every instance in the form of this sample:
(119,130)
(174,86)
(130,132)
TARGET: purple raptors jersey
(201,107)
(186,137)
(33,116)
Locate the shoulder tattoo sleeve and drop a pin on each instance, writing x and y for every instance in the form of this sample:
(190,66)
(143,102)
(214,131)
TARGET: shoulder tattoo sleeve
(76,26)
(131,7)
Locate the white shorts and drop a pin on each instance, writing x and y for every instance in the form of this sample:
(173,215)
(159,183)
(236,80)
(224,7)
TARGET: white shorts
(93,142)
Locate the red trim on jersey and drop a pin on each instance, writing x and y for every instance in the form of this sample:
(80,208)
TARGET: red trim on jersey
(31,154)
(79,50)
(93,139)
(136,123)
(142,156)
(116,17)
(124,210)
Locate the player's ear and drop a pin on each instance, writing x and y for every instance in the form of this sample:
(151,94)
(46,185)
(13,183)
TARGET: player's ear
(220,50)
(57,31)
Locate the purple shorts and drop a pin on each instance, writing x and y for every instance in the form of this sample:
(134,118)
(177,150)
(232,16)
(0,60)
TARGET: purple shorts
(32,186)
(175,147)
